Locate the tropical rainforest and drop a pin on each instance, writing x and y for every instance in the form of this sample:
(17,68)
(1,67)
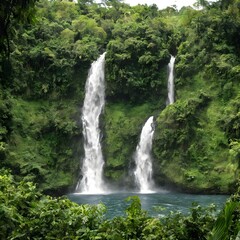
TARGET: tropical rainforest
(46,50)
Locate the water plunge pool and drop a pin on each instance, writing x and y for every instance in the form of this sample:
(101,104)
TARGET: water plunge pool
(156,204)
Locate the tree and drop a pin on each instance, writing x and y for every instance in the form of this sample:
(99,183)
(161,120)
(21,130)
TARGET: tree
(20,10)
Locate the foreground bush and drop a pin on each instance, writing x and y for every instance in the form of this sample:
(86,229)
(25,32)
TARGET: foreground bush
(27,214)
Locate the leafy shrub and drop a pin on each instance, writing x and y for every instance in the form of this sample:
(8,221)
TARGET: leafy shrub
(27,214)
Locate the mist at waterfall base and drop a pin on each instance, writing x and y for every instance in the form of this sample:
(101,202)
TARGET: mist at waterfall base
(156,204)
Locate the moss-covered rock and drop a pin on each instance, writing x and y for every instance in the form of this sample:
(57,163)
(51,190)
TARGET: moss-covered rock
(43,143)
(191,150)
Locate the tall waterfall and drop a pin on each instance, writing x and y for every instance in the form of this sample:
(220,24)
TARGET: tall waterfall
(92,167)
(143,160)
(170,99)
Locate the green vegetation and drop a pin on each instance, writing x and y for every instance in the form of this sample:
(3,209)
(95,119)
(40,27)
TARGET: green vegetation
(27,214)
(197,143)
(46,48)
(40,130)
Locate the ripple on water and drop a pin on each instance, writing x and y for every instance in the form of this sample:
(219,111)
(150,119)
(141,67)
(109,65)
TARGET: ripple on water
(157,204)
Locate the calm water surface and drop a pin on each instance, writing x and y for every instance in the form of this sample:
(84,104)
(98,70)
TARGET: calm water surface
(156,204)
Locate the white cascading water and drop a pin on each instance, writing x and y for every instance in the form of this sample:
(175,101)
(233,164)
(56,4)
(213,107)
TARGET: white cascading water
(170,99)
(92,167)
(143,160)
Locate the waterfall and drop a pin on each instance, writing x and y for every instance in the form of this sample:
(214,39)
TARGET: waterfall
(143,160)
(170,99)
(92,167)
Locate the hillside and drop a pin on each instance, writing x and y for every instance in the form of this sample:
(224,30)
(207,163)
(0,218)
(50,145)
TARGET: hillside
(196,145)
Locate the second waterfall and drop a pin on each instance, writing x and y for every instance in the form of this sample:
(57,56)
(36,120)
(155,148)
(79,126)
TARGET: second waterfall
(143,160)
(92,167)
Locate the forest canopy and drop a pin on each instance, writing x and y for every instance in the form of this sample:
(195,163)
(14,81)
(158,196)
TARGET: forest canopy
(46,50)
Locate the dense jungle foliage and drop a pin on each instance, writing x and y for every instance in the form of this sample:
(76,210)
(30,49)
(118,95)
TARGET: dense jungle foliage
(46,50)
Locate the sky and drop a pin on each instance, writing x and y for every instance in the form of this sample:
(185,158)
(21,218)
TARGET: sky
(162,3)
